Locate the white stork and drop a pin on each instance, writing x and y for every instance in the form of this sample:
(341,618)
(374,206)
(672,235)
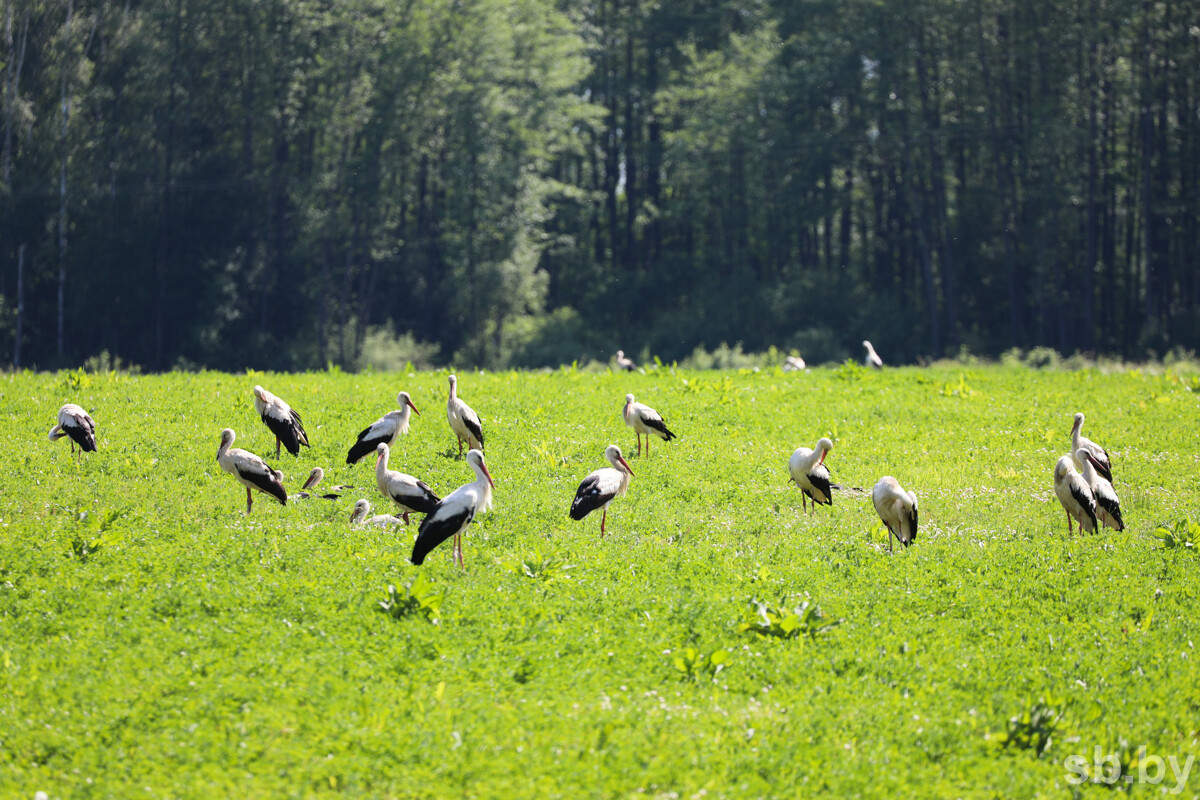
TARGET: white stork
(408,493)
(602,487)
(625,363)
(872,359)
(898,510)
(250,470)
(282,420)
(811,475)
(315,477)
(385,430)
(359,516)
(793,364)
(76,423)
(1108,505)
(1075,495)
(1078,440)
(644,419)
(454,514)
(463,420)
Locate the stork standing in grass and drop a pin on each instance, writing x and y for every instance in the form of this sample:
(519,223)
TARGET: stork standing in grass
(359,516)
(281,420)
(1075,495)
(385,430)
(1108,505)
(898,510)
(454,514)
(463,420)
(644,419)
(625,363)
(77,424)
(601,487)
(1078,440)
(250,470)
(872,359)
(408,493)
(809,472)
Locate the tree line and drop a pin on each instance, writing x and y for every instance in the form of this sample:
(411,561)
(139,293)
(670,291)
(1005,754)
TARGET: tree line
(287,183)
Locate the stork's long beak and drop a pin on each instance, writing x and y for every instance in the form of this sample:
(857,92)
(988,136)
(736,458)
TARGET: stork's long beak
(409,403)
(628,468)
(312,477)
(823,454)
(486,472)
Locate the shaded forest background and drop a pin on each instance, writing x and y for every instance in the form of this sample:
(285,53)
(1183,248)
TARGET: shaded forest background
(287,183)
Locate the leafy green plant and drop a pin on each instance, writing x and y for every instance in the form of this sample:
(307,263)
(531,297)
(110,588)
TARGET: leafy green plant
(1184,534)
(543,568)
(781,622)
(850,370)
(696,666)
(1033,729)
(417,597)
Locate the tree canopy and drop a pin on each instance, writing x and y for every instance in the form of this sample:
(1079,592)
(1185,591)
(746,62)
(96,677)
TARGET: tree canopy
(289,183)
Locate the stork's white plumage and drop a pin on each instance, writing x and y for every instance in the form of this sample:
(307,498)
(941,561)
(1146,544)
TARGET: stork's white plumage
(625,363)
(793,364)
(1078,440)
(359,516)
(1075,495)
(808,470)
(872,359)
(281,420)
(644,419)
(408,493)
(314,478)
(898,510)
(454,514)
(385,430)
(601,487)
(463,420)
(250,470)
(1108,505)
(77,424)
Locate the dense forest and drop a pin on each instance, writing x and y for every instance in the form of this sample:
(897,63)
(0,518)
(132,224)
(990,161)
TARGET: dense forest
(290,184)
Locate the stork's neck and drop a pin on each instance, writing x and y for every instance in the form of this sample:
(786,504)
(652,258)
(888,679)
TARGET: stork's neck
(381,463)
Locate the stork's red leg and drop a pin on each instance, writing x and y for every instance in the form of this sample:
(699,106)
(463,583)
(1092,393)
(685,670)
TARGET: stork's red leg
(405,515)
(1069,528)
(249,500)
(602,521)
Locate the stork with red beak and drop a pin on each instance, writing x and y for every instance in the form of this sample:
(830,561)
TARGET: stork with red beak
(408,493)
(385,430)
(281,420)
(644,419)
(454,514)
(463,420)
(250,470)
(811,475)
(603,486)
(1078,440)
(76,423)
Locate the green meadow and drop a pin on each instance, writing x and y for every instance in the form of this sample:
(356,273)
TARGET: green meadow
(155,641)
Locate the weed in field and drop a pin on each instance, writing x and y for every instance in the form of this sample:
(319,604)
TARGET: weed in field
(1034,728)
(696,666)
(779,621)
(416,598)
(1184,534)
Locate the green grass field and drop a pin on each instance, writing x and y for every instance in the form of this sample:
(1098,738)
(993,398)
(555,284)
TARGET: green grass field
(157,642)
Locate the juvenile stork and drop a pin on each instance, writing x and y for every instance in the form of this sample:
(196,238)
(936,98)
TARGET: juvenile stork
(793,364)
(602,487)
(1075,495)
(250,470)
(315,477)
(463,420)
(408,493)
(872,359)
(625,363)
(1078,440)
(385,430)
(811,475)
(454,514)
(281,420)
(898,510)
(644,419)
(1108,505)
(359,516)
(77,424)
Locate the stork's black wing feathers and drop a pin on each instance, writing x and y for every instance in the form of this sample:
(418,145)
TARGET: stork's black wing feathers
(424,503)
(659,426)
(822,483)
(475,429)
(1087,501)
(588,498)
(364,446)
(266,483)
(1113,507)
(437,528)
(84,436)
(912,517)
(290,432)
